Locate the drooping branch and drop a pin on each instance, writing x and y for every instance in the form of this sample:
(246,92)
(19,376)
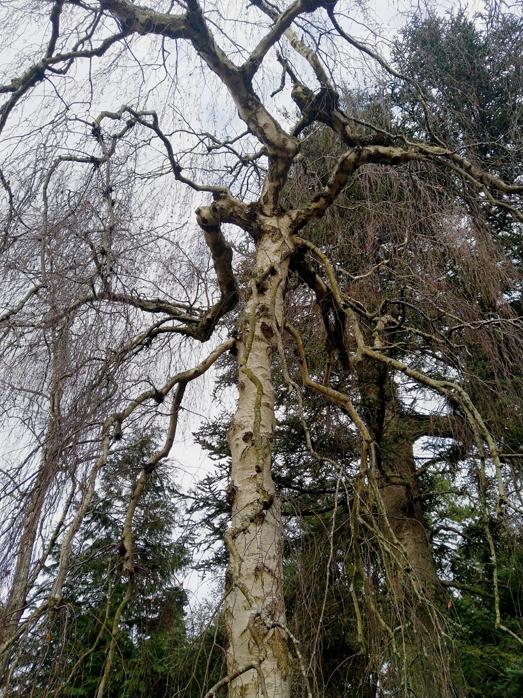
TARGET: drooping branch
(112,428)
(20,86)
(347,164)
(334,396)
(354,158)
(149,305)
(8,314)
(152,123)
(222,261)
(127,544)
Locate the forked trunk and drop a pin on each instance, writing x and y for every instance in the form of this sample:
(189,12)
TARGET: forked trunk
(254,607)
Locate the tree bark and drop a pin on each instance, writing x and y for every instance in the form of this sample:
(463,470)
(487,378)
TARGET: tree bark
(397,477)
(418,594)
(254,607)
(400,493)
(11,613)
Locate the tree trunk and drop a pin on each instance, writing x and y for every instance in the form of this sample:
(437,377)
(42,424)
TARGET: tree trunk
(254,607)
(11,613)
(414,582)
(395,439)
(16,600)
(400,493)
(427,655)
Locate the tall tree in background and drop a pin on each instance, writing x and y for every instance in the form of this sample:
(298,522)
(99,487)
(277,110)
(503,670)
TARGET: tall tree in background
(378,310)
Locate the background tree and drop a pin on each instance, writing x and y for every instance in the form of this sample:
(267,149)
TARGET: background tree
(66,652)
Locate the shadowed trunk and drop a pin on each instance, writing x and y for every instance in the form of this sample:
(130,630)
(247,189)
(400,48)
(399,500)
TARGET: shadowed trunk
(401,497)
(398,483)
(417,590)
(11,613)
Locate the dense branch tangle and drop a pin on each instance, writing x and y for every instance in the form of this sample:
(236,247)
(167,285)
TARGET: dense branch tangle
(258,657)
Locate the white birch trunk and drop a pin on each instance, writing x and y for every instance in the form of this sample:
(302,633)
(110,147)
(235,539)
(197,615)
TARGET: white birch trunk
(254,607)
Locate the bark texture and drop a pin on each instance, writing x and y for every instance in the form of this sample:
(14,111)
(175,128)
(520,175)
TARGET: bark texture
(395,437)
(417,591)
(401,497)
(11,613)
(254,609)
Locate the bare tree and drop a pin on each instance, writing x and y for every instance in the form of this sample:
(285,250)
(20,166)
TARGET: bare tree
(124,296)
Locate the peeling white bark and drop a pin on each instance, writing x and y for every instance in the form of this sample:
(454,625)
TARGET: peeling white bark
(254,609)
